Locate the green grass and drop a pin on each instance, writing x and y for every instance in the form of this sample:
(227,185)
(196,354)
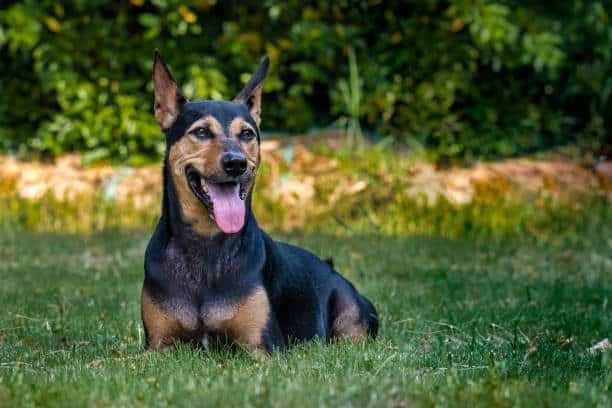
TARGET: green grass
(463,322)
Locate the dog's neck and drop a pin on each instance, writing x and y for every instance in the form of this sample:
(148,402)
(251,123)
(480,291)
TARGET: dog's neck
(208,260)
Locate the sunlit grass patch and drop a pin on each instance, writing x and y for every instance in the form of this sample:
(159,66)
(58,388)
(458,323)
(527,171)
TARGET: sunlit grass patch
(471,321)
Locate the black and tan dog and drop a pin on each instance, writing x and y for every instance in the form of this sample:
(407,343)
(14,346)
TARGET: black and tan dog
(210,271)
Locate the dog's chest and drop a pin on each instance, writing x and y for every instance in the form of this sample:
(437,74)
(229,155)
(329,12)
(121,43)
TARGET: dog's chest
(210,294)
(240,318)
(212,314)
(217,314)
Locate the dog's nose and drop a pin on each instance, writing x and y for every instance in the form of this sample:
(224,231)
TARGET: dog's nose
(234,164)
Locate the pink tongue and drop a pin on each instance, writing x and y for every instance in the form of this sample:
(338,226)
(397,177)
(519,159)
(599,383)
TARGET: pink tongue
(227,206)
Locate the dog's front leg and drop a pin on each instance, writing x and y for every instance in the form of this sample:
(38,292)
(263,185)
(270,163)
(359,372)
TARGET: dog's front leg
(161,330)
(254,326)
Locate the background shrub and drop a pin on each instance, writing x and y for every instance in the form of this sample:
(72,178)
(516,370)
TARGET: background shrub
(462,78)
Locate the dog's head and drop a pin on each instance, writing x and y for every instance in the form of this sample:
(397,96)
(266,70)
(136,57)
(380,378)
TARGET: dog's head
(212,149)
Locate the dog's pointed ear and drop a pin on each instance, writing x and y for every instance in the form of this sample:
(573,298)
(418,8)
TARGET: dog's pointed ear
(251,93)
(168,96)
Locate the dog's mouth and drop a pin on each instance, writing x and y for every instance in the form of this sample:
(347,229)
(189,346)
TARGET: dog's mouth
(224,200)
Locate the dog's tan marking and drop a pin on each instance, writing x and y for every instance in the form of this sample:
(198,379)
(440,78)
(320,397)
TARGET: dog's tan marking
(204,156)
(192,211)
(250,148)
(209,122)
(347,325)
(249,321)
(216,316)
(251,151)
(238,124)
(163,331)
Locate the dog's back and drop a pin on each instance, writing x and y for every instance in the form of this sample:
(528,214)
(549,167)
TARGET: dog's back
(311,299)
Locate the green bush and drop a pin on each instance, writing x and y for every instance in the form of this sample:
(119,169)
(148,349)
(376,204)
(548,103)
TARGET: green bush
(463,78)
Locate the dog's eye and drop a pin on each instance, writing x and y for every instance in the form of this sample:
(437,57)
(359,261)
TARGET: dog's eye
(247,134)
(202,133)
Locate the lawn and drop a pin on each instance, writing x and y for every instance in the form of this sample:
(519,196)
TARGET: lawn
(463,322)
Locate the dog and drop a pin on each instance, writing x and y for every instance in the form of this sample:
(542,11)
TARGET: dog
(210,272)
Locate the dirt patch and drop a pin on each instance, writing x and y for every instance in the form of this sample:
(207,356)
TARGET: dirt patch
(67,179)
(558,177)
(294,179)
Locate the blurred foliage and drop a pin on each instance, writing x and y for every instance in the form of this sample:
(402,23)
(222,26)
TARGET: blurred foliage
(463,78)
